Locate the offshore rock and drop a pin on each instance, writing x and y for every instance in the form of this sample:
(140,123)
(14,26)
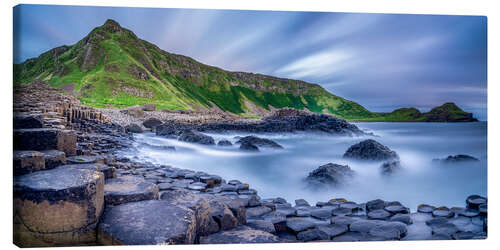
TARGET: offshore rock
(457,159)
(194,136)
(152,122)
(370,150)
(260,142)
(330,174)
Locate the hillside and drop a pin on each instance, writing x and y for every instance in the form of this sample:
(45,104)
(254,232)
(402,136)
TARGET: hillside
(448,112)
(111,66)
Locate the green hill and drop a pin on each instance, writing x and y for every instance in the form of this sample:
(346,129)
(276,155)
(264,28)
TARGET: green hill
(112,66)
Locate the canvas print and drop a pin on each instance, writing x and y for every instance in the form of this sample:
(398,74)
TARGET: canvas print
(148,126)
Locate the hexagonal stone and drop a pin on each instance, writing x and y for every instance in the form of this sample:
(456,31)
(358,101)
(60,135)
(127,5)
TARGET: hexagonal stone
(350,205)
(303,212)
(436,221)
(344,220)
(57,207)
(262,225)
(82,159)
(109,172)
(404,218)
(298,224)
(424,208)
(397,209)
(446,229)
(54,158)
(342,211)
(443,212)
(151,222)
(349,237)
(198,186)
(301,203)
(165,186)
(469,212)
(333,229)
(23,120)
(389,231)
(379,214)
(312,234)
(253,212)
(128,189)
(26,162)
(240,235)
(364,226)
(375,205)
(474,201)
(45,139)
(322,213)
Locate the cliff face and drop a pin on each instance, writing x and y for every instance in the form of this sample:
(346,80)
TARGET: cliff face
(112,66)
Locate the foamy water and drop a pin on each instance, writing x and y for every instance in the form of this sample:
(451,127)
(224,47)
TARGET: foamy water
(281,173)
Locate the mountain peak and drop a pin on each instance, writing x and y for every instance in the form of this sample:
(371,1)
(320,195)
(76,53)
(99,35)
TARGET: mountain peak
(112,26)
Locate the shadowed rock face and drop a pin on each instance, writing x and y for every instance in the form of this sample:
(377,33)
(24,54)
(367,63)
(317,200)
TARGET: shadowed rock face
(457,159)
(240,235)
(261,142)
(330,174)
(151,222)
(26,162)
(370,150)
(57,207)
(196,137)
(45,139)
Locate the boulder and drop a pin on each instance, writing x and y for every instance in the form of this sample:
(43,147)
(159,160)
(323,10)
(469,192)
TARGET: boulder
(255,212)
(457,159)
(389,231)
(128,189)
(45,139)
(28,121)
(149,107)
(57,207)
(260,142)
(194,136)
(299,224)
(240,235)
(133,128)
(379,214)
(370,150)
(262,225)
(474,201)
(390,167)
(26,162)
(424,208)
(333,230)
(151,222)
(247,146)
(53,158)
(224,143)
(109,172)
(152,123)
(330,174)
(200,205)
(374,205)
(312,234)
(134,111)
(443,212)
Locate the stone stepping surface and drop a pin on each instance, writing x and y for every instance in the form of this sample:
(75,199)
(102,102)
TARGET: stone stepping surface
(26,120)
(424,208)
(474,201)
(45,139)
(28,161)
(151,222)
(57,207)
(240,235)
(54,158)
(128,189)
(82,159)
(109,172)
(443,212)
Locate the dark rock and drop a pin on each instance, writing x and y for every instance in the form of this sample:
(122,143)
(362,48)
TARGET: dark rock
(483,209)
(26,162)
(152,123)
(404,218)
(474,201)
(253,212)
(440,237)
(364,226)
(194,136)
(248,147)
(468,212)
(165,186)
(445,228)
(322,213)
(149,107)
(301,203)
(349,237)
(312,234)
(128,189)
(299,224)
(109,172)
(457,158)
(45,139)
(436,221)
(82,159)
(342,211)
(224,143)
(344,220)
(28,121)
(331,174)
(147,223)
(262,225)
(389,231)
(303,211)
(57,207)
(134,128)
(287,237)
(333,230)
(370,150)
(375,205)
(134,111)
(395,209)
(424,208)
(443,212)
(240,235)
(379,214)
(390,167)
(260,142)
(54,158)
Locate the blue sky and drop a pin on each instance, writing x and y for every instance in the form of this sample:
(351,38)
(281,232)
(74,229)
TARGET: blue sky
(380,61)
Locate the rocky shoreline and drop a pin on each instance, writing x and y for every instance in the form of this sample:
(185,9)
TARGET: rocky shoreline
(73,187)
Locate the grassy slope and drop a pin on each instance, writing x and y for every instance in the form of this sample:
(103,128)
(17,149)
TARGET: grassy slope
(101,68)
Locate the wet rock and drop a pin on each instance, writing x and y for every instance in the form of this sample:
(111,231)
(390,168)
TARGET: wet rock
(82,159)
(343,220)
(436,221)
(194,136)
(443,212)
(474,201)
(379,214)
(445,228)
(28,121)
(483,209)
(224,143)
(260,142)
(404,218)
(330,174)
(248,147)
(469,212)
(57,207)
(364,226)
(395,209)
(151,222)
(389,231)
(45,139)
(299,224)
(312,234)
(322,213)
(134,128)
(128,189)
(457,159)
(342,211)
(26,162)
(424,208)
(333,230)
(262,225)
(253,212)
(152,123)
(301,203)
(370,150)
(375,205)
(390,167)
(53,158)
(349,237)
(287,237)
(240,235)
(109,172)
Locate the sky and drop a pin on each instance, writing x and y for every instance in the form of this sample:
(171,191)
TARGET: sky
(382,61)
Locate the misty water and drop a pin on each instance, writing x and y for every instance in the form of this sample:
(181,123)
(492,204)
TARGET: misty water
(281,173)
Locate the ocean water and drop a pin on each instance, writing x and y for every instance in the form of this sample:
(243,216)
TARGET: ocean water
(281,173)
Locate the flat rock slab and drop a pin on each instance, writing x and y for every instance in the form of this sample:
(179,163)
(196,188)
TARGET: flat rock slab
(128,189)
(54,158)
(263,225)
(45,139)
(63,202)
(333,230)
(82,159)
(109,172)
(379,214)
(240,235)
(150,222)
(27,161)
(424,208)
